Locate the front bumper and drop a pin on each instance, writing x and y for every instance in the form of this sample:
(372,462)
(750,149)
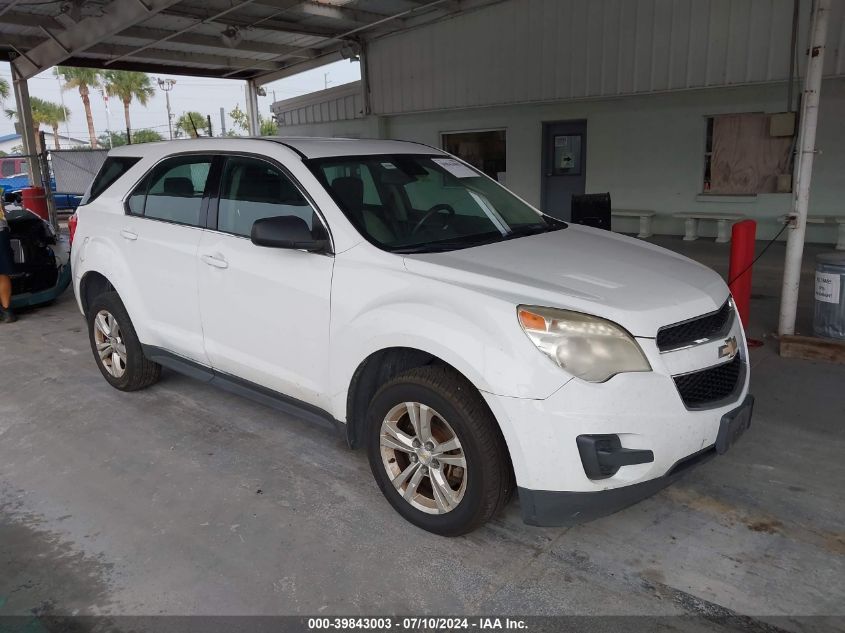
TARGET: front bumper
(550,509)
(32,299)
(643,410)
(546,508)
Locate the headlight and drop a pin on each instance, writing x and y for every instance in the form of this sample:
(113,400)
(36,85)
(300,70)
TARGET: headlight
(588,347)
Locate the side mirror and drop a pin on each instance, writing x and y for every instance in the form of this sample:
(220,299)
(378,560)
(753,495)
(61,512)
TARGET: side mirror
(286,231)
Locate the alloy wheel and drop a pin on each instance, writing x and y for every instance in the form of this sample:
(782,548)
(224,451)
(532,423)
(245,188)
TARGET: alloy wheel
(423,457)
(111,348)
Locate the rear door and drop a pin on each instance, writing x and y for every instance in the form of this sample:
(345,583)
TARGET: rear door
(160,234)
(265,311)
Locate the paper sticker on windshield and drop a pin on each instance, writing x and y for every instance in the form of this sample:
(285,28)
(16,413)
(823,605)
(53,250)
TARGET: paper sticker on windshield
(456,168)
(388,165)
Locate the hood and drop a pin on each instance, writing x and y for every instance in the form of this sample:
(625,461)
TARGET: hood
(633,283)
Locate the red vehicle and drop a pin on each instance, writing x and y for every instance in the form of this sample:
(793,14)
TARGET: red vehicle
(13,166)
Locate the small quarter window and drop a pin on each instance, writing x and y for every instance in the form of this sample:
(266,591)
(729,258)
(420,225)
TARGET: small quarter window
(254,189)
(135,203)
(113,168)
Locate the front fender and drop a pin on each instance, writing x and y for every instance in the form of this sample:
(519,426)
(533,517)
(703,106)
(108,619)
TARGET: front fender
(476,333)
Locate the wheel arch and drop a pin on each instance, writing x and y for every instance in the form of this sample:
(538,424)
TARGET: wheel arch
(92,285)
(377,369)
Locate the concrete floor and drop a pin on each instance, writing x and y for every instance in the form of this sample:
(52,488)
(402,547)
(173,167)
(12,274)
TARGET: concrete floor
(184,500)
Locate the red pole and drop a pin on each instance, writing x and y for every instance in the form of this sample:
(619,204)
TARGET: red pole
(742,254)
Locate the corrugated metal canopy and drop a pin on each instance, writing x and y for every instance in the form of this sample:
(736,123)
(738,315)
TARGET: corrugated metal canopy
(238,39)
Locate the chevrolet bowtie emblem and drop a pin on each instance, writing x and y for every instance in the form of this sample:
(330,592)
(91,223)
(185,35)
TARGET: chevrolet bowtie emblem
(729,349)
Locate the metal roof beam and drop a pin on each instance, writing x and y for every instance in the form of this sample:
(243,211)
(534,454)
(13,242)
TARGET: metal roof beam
(269,23)
(210,41)
(324,53)
(334,12)
(30,19)
(297,67)
(100,53)
(449,5)
(9,7)
(114,51)
(117,16)
(157,68)
(171,34)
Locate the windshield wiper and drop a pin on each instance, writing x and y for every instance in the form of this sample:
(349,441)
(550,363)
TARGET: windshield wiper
(481,239)
(533,229)
(522,231)
(450,245)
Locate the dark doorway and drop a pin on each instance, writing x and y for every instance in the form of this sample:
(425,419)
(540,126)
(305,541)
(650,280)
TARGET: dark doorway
(485,150)
(564,165)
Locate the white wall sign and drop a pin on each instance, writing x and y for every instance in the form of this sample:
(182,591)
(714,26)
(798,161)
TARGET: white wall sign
(827,287)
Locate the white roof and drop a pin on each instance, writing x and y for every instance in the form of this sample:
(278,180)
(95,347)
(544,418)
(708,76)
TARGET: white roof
(309,147)
(315,147)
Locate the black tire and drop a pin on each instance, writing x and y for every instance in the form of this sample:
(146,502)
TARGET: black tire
(140,372)
(489,482)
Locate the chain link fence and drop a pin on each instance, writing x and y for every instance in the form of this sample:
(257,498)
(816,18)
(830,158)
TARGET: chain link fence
(66,175)
(73,170)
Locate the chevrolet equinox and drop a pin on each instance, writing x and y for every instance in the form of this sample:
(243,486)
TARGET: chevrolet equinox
(475,346)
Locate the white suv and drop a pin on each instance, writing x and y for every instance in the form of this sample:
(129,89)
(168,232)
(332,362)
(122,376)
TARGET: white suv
(471,343)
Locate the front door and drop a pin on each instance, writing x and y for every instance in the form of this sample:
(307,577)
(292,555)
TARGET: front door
(265,311)
(564,166)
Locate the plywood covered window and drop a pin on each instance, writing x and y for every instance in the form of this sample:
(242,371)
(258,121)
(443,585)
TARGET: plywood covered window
(742,157)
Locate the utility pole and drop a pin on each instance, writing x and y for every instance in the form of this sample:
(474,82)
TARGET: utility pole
(803,171)
(105,96)
(167,85)
(208,118)
(326,81)
(222,122)
(252,108)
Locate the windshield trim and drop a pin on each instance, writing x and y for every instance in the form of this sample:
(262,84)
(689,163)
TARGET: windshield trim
(314,164)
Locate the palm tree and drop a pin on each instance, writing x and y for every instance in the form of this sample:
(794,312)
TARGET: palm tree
(58,114)
(4,89)
(83,79)
(43,113)
(191,123)
(127,85)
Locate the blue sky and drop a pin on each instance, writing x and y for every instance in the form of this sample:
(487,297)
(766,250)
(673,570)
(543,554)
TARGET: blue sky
(199,94)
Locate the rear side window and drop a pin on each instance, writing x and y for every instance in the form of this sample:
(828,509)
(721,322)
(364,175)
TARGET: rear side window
(173,191)
(113,168)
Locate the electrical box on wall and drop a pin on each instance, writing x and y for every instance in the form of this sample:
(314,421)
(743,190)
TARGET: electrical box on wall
(782,124)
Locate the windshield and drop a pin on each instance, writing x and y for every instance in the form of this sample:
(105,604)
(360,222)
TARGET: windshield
(415,203)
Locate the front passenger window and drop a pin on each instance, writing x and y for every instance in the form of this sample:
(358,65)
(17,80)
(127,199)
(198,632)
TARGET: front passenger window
(253,189)
(176,189)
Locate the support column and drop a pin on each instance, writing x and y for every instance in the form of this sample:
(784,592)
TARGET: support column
(52,216)
(803,167)
(252,108)
(364,62)
(21,89)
